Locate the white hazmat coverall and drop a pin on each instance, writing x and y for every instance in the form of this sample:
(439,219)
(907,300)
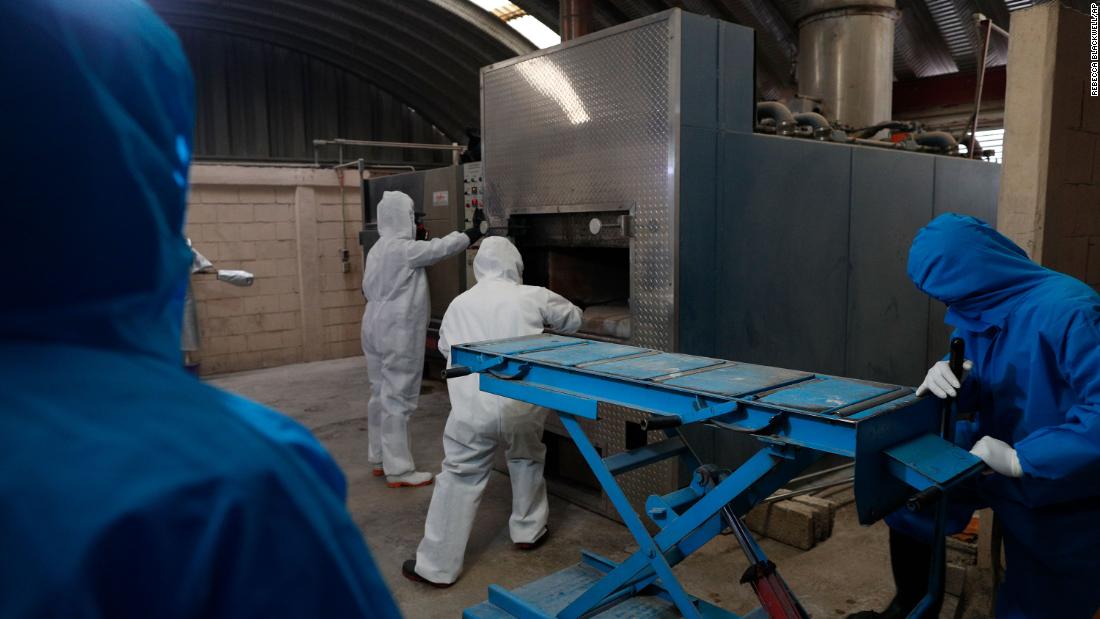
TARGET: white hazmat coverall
(499,306)
(395,326)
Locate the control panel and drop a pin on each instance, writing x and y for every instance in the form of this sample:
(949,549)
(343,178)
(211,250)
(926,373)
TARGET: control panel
(472,190)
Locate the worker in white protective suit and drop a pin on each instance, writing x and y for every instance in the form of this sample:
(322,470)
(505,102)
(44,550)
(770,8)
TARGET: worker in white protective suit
(394,331)
(499,306)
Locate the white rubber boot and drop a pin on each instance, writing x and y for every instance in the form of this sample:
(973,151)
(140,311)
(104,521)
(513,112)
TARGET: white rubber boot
(411,479)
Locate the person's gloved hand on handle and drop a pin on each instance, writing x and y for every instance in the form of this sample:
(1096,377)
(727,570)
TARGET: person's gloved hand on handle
(478,229)
(997,454)
(941,381)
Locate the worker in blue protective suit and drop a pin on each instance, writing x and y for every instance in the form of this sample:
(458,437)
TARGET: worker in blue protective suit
(1032,340)
(394,332)
(128,488)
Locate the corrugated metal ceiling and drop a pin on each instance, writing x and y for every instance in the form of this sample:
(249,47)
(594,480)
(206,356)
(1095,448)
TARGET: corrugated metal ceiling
(427,53)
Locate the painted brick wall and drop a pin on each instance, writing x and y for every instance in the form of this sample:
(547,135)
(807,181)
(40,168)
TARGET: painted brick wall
(286,226)
(1050,195)
(341,299)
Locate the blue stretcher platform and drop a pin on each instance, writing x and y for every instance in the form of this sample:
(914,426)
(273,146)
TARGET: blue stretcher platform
(797,416)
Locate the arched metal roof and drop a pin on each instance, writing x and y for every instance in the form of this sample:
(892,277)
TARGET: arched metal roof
(426,53)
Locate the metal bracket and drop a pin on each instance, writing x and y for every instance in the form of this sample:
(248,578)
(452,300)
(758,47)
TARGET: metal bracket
(769,427)
(519,372)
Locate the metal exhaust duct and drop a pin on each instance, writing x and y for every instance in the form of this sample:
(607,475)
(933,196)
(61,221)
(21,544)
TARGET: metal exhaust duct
(846,58)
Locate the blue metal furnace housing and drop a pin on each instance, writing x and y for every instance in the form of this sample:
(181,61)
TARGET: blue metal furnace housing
(774,250)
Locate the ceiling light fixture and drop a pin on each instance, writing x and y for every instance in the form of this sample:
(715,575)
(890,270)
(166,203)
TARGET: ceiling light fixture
(525,24)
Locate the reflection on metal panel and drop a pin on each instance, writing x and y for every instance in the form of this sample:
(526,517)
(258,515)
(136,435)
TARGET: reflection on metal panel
(652,366)
(530,344)
(826,394)
(591,123)
(738,379)
(587,353)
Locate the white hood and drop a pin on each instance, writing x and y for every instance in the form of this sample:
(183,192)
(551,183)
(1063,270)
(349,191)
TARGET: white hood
(395,216)
(498,259)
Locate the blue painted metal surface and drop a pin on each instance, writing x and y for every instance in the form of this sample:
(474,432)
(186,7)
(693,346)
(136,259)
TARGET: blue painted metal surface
(552,593)
(654,366)
(796,416)
(929,460)
(827,394)
(644,456)
(528,344)
(555,399)
(879,428)
(648,554)
(586,352)
(738,379)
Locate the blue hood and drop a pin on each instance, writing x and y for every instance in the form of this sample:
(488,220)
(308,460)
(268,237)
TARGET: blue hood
(973,269)
(98,143)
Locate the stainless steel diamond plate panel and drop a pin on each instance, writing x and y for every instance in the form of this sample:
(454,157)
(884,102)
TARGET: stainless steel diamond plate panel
(595,123)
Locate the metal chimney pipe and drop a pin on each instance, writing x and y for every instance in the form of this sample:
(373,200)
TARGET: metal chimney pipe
(576,18)
(846,58)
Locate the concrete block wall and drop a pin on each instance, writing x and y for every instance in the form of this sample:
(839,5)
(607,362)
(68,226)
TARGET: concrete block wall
(1050,192)
(1071,239)
(287,227)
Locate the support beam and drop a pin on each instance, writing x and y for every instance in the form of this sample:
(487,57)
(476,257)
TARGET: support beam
(925,95)
(576,18)
(1050,192)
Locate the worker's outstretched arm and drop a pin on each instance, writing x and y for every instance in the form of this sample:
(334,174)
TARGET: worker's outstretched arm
(426,253)
(559,313)
(1062,462)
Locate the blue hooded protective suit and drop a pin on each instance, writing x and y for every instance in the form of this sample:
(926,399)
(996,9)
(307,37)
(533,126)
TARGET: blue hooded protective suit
(127,488)
(1034,337)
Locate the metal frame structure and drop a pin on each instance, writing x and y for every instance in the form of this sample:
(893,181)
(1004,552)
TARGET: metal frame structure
(986,28)
(796,417)
(455,148)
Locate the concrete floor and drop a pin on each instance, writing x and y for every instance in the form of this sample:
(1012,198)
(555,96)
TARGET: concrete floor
(848,572)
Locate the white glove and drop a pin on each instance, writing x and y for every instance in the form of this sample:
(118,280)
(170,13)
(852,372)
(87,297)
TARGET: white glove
(237,278)
(999,456)
(941,381)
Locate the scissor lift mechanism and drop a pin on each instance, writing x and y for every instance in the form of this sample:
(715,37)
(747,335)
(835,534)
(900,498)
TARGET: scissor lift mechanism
(797,416)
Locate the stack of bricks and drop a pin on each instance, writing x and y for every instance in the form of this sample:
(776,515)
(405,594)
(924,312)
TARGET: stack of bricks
(802,521)
(1050,193)
(286,226)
